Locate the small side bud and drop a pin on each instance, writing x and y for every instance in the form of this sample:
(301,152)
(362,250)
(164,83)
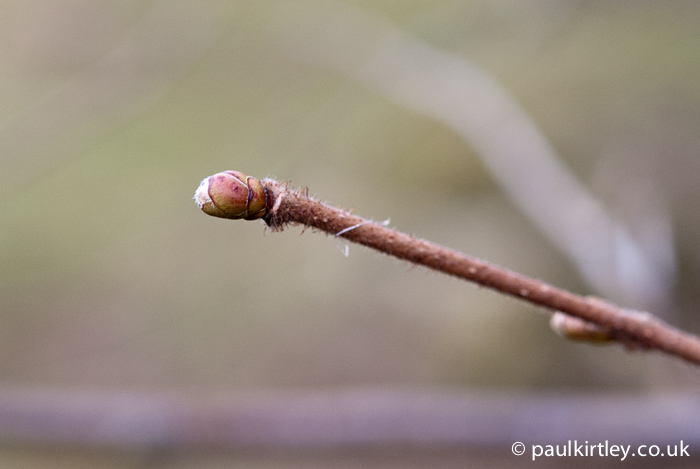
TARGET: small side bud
(574,328)
(234,195)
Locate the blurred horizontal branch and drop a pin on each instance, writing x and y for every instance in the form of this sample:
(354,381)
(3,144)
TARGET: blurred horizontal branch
(339,418)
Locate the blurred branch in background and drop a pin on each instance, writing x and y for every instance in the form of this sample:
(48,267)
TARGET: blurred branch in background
(168,40)
(342,418)
(466,98)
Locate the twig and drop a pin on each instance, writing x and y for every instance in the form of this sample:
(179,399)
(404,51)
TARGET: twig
(232,194)
(359,417)
(468,99)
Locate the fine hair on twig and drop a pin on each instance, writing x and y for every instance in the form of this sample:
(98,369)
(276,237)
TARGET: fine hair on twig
(229,195)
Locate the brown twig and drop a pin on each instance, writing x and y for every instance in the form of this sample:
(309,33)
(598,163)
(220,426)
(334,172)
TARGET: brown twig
(285,206)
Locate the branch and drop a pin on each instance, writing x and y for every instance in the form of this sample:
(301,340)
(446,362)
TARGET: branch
(358,418)
(468,99)
(235,195)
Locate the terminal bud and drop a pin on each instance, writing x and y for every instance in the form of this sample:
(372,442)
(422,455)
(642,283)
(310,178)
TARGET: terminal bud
(234,195)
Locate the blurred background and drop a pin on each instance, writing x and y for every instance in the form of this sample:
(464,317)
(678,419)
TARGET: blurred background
(558,138)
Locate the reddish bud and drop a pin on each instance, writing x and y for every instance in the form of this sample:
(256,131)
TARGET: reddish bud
(232,194)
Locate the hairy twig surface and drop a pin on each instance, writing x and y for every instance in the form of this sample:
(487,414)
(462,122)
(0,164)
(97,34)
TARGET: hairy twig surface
(227,195)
